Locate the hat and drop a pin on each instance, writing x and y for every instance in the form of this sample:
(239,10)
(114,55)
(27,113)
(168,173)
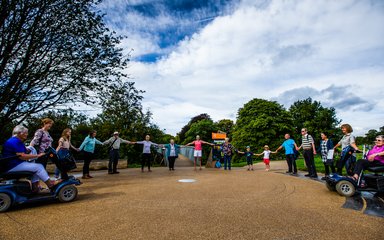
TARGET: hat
(248,147)
(116,133)
(266,146)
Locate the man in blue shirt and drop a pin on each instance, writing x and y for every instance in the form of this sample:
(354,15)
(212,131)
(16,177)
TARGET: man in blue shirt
(289,144)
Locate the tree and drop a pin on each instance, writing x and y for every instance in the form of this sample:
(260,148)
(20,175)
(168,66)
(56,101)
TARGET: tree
(225,125)
(181,135)
(53,52)
(313,116)
(261,122)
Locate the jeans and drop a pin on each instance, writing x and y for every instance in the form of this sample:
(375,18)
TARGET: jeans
(37,168)
(227,162)
(113,160)
(291,163)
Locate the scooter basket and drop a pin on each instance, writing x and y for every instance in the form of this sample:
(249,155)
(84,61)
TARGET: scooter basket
(380,184)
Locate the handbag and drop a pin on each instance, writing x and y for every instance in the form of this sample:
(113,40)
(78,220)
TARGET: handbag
(330,157)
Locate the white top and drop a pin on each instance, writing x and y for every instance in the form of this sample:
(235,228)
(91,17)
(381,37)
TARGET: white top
(266,154)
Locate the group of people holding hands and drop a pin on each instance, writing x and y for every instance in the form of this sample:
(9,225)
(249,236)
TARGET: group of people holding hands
(18,156)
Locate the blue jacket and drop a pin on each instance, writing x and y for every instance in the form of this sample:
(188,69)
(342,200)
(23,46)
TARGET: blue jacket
(329,145)
(88,144)
(168,147)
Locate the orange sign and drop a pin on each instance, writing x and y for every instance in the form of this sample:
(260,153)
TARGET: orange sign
(219,135)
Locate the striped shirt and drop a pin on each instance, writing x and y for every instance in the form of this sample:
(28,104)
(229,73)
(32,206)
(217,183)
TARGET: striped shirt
(307,141)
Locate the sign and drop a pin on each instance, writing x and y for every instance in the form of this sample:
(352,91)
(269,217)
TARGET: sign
(219,136)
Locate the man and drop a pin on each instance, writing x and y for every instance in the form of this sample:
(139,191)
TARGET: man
(289,144)
(114,146)
(309,150)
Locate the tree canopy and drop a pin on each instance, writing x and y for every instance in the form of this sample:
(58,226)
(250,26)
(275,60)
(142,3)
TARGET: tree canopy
(54,52)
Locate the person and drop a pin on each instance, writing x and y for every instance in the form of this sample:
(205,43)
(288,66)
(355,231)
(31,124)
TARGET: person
(374,158)
(42,140)
(348,146)
(198,152)
(266,158)
(227,149)
(172,153)
(146,155)
(289,145)
(88,148)
(17,154)
(308,145)
(114,146)
(325,146)
(248,155)
(63,150)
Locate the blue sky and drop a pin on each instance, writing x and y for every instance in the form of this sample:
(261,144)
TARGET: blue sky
(212,57)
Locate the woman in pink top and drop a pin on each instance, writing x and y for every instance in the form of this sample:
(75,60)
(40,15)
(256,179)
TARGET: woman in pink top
(375,157)
(197,153)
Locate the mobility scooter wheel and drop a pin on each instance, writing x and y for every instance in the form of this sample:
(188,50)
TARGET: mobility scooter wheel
(67,193)
(5,202)
(345,188)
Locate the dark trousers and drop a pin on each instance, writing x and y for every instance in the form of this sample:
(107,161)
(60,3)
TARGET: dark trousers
(291,163)
(171,162)
(88,156)
(42,160)
(113,160)
(364,164)
(227,162)
(327,166)
(347,157)
(146,157)
(310,162)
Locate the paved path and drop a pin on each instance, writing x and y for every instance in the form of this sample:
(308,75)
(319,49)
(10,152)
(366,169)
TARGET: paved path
(235,204)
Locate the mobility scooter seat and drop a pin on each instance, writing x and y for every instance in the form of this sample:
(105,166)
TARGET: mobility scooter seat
(376,169)
(16,175)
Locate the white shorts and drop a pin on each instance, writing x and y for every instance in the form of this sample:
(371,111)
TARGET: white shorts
(197,153)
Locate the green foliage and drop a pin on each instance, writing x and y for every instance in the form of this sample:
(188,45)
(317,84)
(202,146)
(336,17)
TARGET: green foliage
(53,52)
(261,122)
(181,136)
(313,116)
(225,125)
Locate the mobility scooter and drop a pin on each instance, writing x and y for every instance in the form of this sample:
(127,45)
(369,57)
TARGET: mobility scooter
(15,188)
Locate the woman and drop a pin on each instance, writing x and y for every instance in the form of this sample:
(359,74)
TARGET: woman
(172,153)
(63,150)
(374,158)
(198,152)
(88,147)
(348,145)
(326,145)
(227,149)
(146,156)
(16,152)
(42,140)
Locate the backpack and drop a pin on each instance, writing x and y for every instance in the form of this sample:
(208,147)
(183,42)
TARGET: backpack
(218,164)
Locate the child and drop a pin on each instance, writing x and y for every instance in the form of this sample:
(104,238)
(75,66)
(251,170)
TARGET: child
(266,160)
(248,155)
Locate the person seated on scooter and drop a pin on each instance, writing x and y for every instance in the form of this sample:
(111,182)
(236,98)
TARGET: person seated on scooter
(375,158)
(17,154)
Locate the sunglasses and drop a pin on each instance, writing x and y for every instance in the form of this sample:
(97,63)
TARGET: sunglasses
(378,140)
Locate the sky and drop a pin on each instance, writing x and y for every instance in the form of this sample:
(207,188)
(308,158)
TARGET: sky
(213,56)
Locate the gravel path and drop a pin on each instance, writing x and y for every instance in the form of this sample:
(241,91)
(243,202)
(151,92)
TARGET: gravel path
(235,204)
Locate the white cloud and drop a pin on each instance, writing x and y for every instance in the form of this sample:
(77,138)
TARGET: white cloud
(264,52)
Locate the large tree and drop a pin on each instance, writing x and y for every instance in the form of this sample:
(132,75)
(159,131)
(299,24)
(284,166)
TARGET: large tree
(53,52)
(182,134)
(313,116)
(261,122)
